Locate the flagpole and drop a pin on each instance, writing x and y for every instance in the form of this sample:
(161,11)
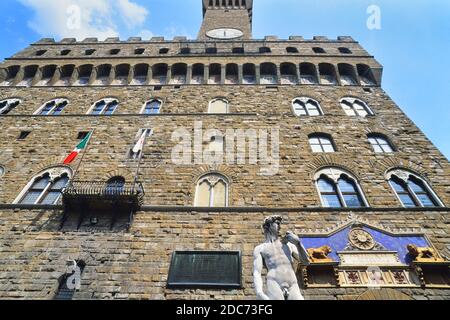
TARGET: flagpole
(136,175)
(91,133)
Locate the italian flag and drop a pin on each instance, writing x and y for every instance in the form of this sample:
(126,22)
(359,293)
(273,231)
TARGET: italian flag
(81,146)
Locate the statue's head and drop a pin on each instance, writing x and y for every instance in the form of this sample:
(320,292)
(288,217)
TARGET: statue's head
(272,225)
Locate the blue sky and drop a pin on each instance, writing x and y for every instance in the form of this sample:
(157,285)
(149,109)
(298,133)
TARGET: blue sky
(413,43)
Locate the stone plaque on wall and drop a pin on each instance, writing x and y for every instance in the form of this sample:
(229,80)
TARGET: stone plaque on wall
(197,269)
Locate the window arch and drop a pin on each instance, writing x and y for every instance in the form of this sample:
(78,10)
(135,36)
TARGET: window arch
(354,107)
(305,106)
(105,106)
(380,143)
(53,108)
(212,191)
(115,185)
(339,189)
(321,143)
(152,107)
(8,105)
(412,190)
(218,105)
(46,187)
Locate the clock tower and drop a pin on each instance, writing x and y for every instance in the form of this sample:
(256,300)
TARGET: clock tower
(226,20)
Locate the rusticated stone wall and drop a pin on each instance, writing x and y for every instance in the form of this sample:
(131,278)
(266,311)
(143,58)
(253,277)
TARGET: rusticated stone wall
(135,265)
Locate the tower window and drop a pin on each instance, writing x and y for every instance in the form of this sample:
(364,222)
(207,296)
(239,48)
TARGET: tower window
(163,51)
(23,135)
(139,51)
(305,106)
(104,107)
(321,143)
(218,106)
(354,107)
(89,52)
(65,52)
(265,50)
(212,191)
(318,50)
(53,108)
(339,189)
(380,143)
(412,190)
(238,50)
(345,50)
(291,50)
(152,107)
(114,52)
(45,188)
(211,50)
(40,53)
(6,106)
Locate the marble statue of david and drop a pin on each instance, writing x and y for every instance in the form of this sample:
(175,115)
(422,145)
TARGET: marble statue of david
(278,256)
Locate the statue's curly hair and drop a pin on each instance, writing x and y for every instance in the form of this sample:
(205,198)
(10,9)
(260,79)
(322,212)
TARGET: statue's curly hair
(269,220)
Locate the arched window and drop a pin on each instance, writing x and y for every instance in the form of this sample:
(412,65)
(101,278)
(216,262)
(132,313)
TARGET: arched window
(305,106)
(265,50)
(339,189)
(45,188)
(212,191)
(380,143)
(321,143)
(104,107)
(53,108)
(412,190)
(291,50)
(152,107)
(218,106)
(2,171)
(115,185)
(354,107)
(8,105)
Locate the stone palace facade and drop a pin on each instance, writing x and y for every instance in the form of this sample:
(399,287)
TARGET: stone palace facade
(349,172)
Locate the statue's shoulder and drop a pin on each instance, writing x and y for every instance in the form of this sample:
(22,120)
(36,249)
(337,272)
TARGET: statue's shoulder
(259,249)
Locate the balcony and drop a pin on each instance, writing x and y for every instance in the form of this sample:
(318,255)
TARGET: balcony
(90,205)
(104,195)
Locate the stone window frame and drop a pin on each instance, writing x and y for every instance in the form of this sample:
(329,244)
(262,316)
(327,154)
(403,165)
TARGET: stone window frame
(324,140)
(59,102)
(219,99)
(374,140)
(11,104)
(144,107)
(108,102)
(305,100)
(54,174)
(351,105)
(404,176)
(333,174)
(212,178)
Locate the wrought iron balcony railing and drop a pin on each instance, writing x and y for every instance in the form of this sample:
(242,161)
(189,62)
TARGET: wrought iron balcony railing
(98,194)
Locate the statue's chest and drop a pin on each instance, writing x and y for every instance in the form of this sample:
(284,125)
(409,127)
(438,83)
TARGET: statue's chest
(275,252)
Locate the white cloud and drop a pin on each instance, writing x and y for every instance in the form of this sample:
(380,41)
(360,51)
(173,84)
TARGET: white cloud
(84,18)
(133,14)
